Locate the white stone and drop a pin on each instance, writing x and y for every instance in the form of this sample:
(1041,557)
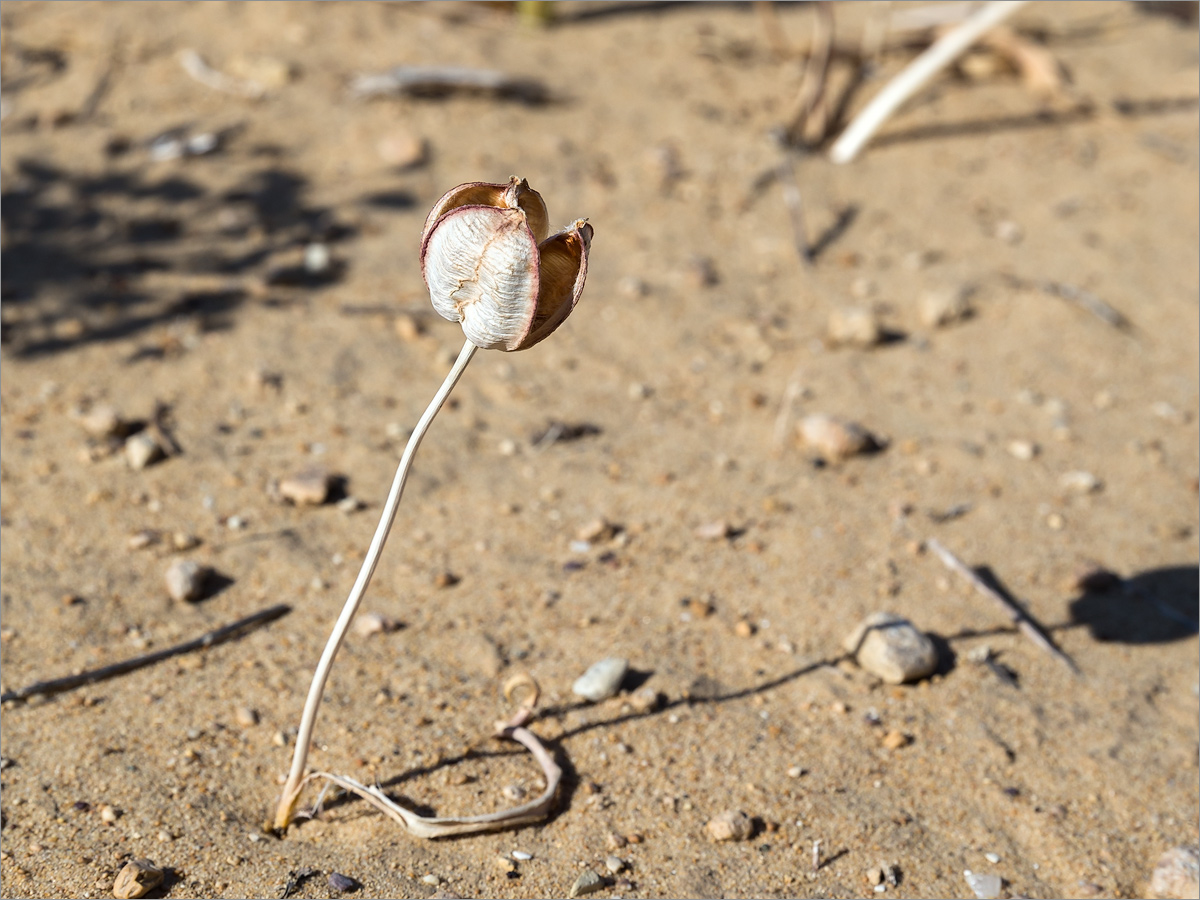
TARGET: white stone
(602,680)
(892,648)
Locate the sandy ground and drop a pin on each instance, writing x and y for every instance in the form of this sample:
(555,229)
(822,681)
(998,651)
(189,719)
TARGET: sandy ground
(178,285)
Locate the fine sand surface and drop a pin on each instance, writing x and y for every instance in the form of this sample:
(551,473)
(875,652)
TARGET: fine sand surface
(175,291)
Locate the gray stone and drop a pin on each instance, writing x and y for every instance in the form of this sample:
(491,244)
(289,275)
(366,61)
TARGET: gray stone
(587,883)
(186,580)
(602,680)
(892,648)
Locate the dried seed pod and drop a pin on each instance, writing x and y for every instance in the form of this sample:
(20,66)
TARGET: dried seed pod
(489,264)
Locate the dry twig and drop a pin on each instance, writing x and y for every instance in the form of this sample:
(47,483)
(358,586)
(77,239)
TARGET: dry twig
(436,826)
(1029,627)
(918,73)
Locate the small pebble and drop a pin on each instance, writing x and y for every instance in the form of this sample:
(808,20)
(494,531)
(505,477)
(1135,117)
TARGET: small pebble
(713,531)
(514,792)
(602,680)
(1022,450)
(108,815)
(993,858)
(403,150)
(744,629)
(794,771)
(835,439)
(431,879)
(875,875)
(986,887)
(1079,482)
(1009,231)
(1169,413)
(894,740)
(614,864)
(854,326)
(892,648)
(142,540)
(504,864)
(374,623)
(1176,874)
(182,541)
(645,700)
(136,879)
(597,531)
(317,259)
(186,580)
(731,825)
(615,841)
(141,450)
(350,505)
(1056,522)
(245,716)
(942,307)
(342,884)
(102,421)
(309,487)
(587,883)
(521,855)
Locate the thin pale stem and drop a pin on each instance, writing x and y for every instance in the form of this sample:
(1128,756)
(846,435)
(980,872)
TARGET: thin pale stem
(919,71)
(295,779)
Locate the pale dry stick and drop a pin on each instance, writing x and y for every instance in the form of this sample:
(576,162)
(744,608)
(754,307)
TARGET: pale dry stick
(811,104)
(434,826)
(1022,619)
(212,638)
(794,201)
(816,855)
(943,52)
(295,779)
(791,393)
(193,63)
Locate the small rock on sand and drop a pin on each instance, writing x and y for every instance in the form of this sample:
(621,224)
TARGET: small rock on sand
(833,438)
(892,648)
(986,887)
(186,580)
(307,488)
(602,680)
(342,884)
(102,421)
(854,326)
(731,825)
(375,623)
(141,450)
(944,306)
(136,879)
(1177,874)
(587,883)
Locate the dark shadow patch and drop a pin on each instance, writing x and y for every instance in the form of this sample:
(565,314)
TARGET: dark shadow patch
(634,679)
(1154,106)
(980,127)
(1154,607)
(390,200)
(834,232)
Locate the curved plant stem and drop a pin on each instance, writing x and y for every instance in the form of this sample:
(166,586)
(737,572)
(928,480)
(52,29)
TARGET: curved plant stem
(295,779)
(943,52)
